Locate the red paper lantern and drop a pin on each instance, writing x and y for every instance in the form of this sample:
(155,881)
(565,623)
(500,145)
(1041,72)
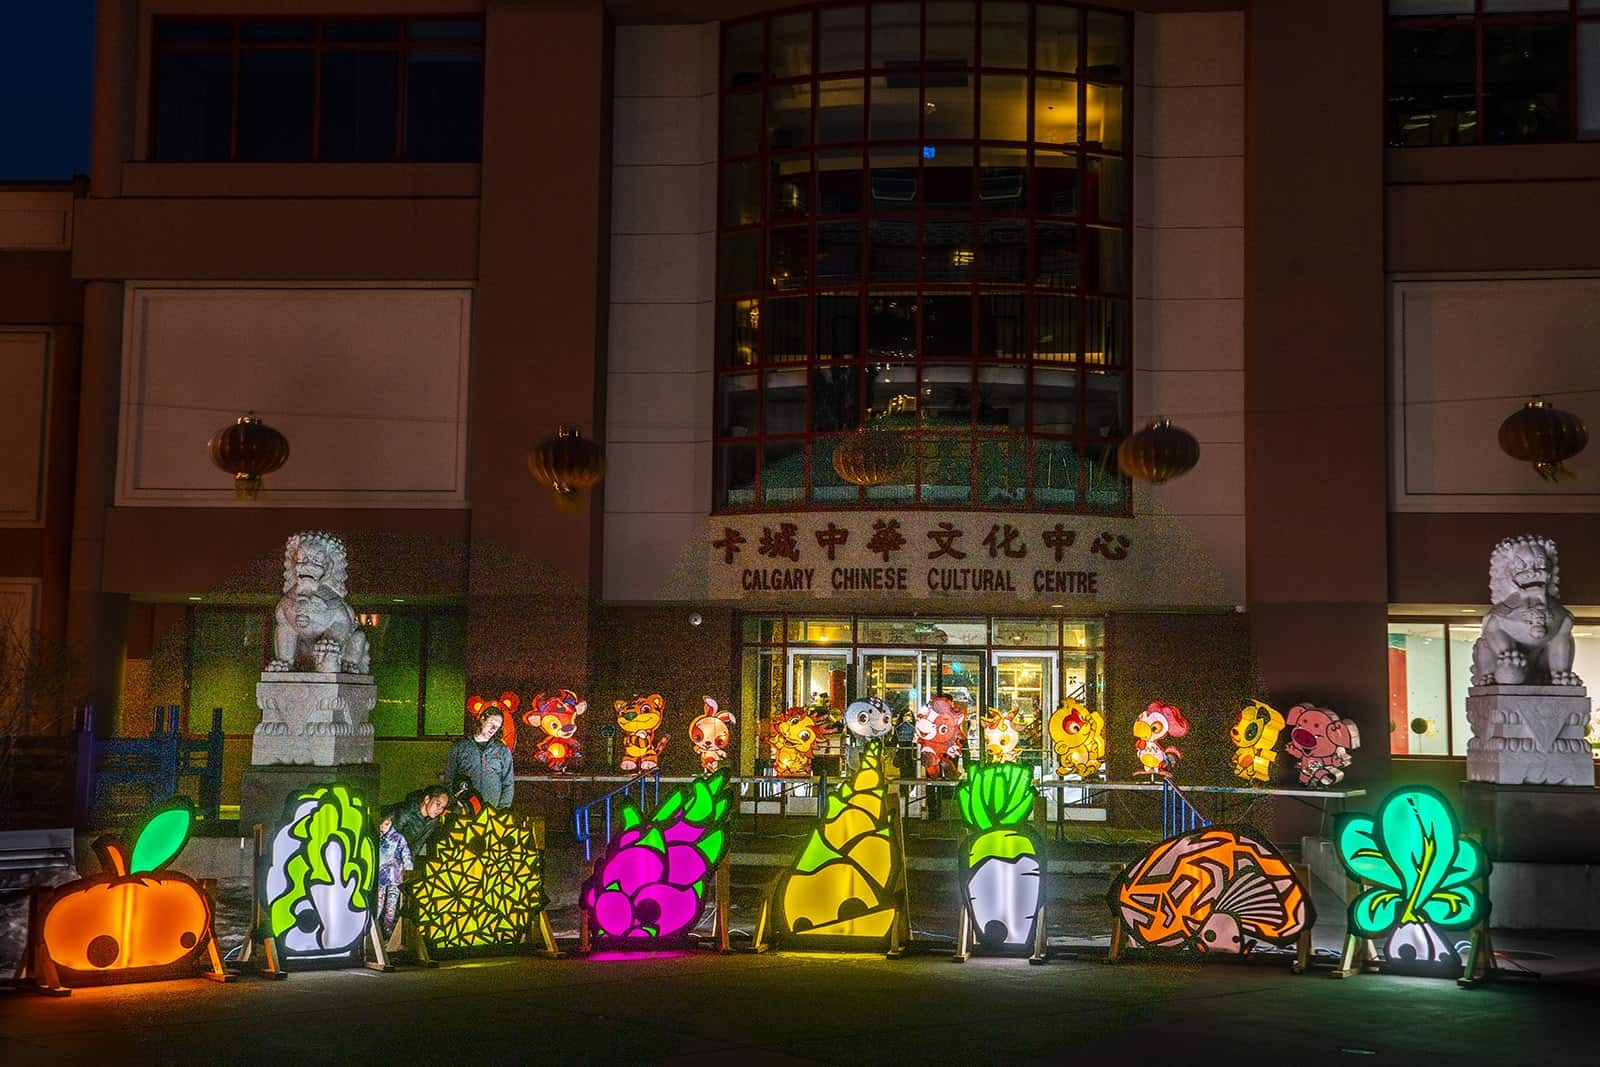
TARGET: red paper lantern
(1544,436)
(568,463)
(249,450)
(1158,453)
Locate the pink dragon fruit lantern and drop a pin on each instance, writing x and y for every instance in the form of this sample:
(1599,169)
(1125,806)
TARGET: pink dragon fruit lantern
(652,883)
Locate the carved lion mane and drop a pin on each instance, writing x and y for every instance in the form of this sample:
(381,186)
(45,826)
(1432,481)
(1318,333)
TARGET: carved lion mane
(1530,558)
(333,550)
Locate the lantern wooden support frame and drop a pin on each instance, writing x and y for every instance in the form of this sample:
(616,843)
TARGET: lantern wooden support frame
(966,938)
(537,934)
(368,952)
(1302,945)
(1360,954)
(37,973)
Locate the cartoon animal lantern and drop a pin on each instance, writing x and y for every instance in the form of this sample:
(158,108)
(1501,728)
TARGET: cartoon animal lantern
(939,737)
(1214,890)
(1255,737)
(482,884)
(1420,877)
(841,891)
(556,719)
(639,719)
(478,707)
(865,720)
(1154,725)
(1002,735)
(794,737)
(652,884)
(134,921)
(321,871)
(709,735)
(1322,744)
(1001,865)
(1078,737)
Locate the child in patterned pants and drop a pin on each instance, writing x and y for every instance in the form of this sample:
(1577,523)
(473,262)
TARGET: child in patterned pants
(394,859)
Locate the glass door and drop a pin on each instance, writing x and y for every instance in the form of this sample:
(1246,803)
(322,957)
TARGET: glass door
(819,680)
(1025,686)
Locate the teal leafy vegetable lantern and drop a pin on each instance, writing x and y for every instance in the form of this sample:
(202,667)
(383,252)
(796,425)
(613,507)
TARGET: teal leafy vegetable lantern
(651,884)
(1421,874)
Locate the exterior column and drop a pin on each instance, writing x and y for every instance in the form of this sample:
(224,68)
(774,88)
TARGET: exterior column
(1316,482)
(538,326)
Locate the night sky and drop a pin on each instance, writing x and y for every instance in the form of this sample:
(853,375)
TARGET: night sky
(46,69)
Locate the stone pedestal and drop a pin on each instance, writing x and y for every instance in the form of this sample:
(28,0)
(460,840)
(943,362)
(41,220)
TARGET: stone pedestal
(263,789)
(313,718)
(1544,843)
(1529,735)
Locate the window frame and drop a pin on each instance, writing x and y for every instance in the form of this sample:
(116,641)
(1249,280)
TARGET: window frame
(424,615)
(318,46)
(1476,20)
(1089,451)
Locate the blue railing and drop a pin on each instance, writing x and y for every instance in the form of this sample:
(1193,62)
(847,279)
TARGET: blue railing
(157,764)
(582,827)
(1178,816)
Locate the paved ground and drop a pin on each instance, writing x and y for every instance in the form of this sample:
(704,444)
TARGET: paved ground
(778,1008)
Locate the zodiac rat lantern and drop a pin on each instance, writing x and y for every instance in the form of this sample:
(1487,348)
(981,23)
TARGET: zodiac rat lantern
(841,891)
(1322,743)
(709,735)
(865,720)
(939,737)
(506,707)
(1154,724)
(556,718)
(639,719)
(1078,738)
(321,872)
(794,737)
(134,921)
(1255,739)
(651,885)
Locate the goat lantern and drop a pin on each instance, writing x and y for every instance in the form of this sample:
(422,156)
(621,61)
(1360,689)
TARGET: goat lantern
(1321,743)
(135,921)
(556,719)
(1255,740)
(1002,735)
(710,736)
(321,874)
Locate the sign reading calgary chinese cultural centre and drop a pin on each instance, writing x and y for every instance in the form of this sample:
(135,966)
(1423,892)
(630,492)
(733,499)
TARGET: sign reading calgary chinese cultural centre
(935,555)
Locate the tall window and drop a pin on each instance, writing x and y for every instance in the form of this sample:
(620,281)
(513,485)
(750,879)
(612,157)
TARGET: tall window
(1430,671)
(925,226)
(1493,71)
(288,89)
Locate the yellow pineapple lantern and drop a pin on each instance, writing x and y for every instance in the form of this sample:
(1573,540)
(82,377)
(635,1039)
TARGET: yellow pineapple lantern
(843,891)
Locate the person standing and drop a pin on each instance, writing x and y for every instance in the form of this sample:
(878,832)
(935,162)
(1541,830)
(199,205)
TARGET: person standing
(483,761)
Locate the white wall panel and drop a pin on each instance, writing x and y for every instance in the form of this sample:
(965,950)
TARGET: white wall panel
(369,384)
(1466,352)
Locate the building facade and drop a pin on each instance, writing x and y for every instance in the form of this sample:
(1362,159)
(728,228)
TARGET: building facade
(1337,243)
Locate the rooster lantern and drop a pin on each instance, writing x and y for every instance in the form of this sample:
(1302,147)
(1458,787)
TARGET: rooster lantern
(1153,726)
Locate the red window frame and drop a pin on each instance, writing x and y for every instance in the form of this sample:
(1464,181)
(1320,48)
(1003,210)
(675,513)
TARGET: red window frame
(1084,219)
(400,46)
(1476,20)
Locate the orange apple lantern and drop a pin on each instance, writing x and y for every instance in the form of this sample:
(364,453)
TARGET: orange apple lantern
(130,923)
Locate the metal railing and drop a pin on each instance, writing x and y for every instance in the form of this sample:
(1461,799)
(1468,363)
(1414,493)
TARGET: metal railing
(582,826)
(1178,816)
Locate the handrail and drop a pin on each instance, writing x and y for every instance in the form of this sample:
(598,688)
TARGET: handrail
(1178,816)
(581,828)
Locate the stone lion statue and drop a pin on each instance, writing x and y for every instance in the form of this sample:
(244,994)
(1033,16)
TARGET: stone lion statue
(1527,635)
(313,624)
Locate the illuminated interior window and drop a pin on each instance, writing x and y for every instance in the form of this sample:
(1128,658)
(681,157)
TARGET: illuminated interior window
(924,227)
